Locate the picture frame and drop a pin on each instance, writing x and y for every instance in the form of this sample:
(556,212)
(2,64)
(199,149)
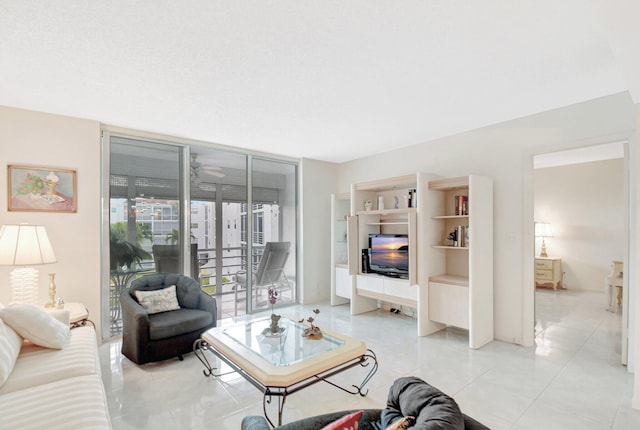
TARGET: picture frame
(41,189)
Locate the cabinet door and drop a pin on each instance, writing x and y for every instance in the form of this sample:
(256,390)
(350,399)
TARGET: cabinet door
(343,282)
(397,288)
(449,304)
(370,283)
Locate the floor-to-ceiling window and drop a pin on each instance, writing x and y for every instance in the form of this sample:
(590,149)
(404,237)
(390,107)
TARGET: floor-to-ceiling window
(236,204)
(218,192)
(144,213)
(273,221)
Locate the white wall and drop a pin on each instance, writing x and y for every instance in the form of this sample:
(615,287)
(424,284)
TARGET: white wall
(33,138)
(585,204)
(319,181)
(505,152)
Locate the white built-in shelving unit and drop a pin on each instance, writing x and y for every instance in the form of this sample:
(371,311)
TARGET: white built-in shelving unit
(448,283)
(340,279)
(460,281)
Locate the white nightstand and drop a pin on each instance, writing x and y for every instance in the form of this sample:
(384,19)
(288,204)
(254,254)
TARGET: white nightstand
(78,314)
(548,272)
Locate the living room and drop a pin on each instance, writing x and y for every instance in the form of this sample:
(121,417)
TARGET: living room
(37,135)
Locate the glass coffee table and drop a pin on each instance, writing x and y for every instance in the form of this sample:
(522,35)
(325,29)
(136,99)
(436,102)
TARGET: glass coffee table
(282,364)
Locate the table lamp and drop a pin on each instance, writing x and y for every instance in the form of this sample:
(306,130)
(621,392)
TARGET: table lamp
(25,245)
(543,229)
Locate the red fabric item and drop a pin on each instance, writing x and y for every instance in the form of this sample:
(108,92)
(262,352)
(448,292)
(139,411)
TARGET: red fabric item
(348,422)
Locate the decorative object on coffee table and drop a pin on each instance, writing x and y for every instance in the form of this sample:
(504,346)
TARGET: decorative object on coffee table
(312,332)
(273,298)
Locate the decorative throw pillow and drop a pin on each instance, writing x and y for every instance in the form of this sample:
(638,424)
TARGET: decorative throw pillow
(10,344)
(35,324)
(157,301)
(348,422)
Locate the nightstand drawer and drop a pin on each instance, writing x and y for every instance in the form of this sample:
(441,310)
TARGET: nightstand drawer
(544,264)
(544,275)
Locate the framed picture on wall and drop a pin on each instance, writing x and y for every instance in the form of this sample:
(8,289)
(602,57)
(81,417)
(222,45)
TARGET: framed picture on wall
(41,189)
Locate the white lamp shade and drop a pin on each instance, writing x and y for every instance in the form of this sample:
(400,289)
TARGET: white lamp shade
(25,245)
(543,229)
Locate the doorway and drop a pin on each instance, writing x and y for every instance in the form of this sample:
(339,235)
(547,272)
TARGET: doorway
(582,196)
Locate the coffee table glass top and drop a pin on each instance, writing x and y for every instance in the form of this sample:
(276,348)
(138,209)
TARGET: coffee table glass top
(284,349)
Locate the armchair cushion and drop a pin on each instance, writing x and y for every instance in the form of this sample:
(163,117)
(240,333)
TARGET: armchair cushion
(175,323)
(162,300)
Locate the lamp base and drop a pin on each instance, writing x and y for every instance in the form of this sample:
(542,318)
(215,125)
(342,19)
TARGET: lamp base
(52,292)
(543,250)
(24,285)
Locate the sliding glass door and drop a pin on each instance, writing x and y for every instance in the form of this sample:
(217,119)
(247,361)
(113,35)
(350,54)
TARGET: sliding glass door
(227,219)
(144,215)
(273,222)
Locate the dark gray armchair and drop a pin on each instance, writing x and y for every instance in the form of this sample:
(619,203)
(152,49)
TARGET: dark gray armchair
(155,337)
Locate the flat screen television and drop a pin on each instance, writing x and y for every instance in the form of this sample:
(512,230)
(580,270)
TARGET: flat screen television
(389,254)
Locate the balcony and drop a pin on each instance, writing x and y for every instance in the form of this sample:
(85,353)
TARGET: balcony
(231,300)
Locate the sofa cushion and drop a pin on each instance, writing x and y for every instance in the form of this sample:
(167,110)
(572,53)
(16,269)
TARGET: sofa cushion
(71,403)
(37,365)
(35,324)
(432,409)
(10,344)
(175,323)
(156,301)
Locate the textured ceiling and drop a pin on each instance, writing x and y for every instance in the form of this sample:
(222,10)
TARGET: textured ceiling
(329,80)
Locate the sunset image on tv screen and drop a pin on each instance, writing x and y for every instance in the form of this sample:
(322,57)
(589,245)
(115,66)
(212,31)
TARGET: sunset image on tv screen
(390,252)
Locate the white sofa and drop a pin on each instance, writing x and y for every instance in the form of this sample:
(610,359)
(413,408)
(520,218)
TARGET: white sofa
(54,388)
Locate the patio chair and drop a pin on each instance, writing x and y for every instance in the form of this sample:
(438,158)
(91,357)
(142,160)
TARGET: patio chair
(269,272)
(167,259)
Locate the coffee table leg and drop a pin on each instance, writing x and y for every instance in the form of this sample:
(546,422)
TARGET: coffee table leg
(199,347)
(266,399)
(365,360)
(374,368)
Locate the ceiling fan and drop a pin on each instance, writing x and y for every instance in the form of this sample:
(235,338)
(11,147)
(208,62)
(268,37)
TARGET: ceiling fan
(198,169)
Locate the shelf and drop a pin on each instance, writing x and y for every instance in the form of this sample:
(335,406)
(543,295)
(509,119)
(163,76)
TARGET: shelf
(388,223)
(449,184)
(388,184)
(387,211)
(461,281)
(450,217)
(450,247)
(387,298)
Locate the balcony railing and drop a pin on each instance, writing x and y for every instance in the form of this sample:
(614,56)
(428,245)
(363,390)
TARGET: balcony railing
(234,259)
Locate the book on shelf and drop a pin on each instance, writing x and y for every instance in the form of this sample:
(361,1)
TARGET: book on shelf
(461,205)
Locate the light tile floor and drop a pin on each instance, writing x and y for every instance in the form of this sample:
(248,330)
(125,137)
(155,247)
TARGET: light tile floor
(572,378)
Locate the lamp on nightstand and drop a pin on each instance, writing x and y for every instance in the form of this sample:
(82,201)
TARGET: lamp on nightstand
(543,229)
(25,245)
